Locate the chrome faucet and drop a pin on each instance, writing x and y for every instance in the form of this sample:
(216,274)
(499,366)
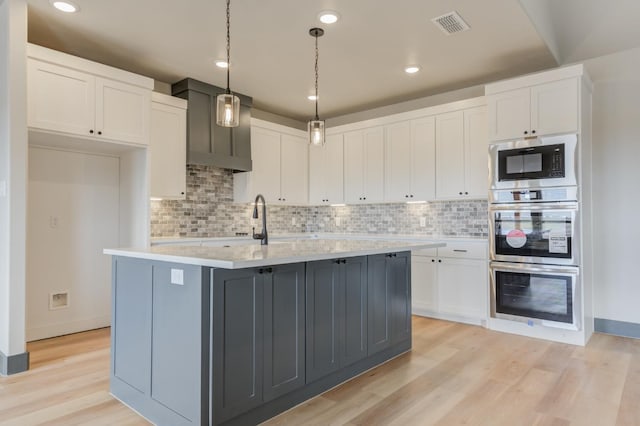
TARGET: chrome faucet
(263,237)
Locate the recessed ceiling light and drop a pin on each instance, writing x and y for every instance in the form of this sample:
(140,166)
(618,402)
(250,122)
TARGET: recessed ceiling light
(412,69)
(222,64)
(328,16)
(64,6)
(312,97)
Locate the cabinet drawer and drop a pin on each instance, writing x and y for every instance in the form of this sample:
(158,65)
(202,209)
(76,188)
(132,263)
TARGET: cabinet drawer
(465,250)
(425,252)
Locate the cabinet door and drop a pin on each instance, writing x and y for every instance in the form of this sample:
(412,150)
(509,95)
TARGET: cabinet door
(554,107)
(355,309)
(60,99)
(318,175)
(374,165)
(423,159)
(122,111)
(450,155)
(424,288)
(265,152)
(476,152)
(334,172)
(354,167)
(398,162)
(238,319)
(378,306)
(324,325)
(284,330)
(168,151)
(463,288)
(294,163)
(399,278)
(509,114)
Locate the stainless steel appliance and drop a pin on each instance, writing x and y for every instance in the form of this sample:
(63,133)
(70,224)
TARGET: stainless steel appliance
(536,294)
(535,233)
(547,161)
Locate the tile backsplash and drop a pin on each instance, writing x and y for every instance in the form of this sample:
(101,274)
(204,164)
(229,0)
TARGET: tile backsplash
(209,211)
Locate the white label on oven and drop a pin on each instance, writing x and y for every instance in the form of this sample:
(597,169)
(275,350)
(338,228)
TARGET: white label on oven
(516,238)
(558,242)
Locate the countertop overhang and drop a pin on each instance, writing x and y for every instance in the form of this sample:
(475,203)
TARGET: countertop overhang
(276,253)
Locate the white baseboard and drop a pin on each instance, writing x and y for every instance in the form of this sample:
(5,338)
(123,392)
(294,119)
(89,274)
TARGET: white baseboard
(448,317)
(60,329)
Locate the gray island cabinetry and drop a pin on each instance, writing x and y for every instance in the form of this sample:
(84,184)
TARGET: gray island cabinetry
(197,341)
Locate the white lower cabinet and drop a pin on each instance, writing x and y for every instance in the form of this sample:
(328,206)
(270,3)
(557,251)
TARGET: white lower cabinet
(451,282)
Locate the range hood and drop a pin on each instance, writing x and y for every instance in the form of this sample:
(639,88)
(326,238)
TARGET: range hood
(207,143)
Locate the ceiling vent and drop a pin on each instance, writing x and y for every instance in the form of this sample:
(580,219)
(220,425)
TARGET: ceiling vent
(450,23)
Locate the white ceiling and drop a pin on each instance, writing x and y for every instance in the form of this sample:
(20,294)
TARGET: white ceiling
(361,57)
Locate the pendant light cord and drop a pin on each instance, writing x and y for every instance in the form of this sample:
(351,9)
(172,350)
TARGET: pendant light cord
(228,43)
(317,117)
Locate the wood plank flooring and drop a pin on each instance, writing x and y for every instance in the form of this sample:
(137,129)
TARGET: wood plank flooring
(456,374)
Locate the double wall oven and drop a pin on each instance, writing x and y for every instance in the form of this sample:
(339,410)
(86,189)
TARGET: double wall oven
(535,232)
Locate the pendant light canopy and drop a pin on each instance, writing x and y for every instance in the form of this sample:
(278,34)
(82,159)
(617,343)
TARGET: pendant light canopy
(227,104)
(316,126)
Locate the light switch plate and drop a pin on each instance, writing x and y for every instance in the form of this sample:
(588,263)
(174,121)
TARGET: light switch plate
(177,276)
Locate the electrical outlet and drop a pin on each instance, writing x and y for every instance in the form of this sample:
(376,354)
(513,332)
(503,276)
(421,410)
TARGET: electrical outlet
(293,220)
(338,221)
(59,300)
(423,221)
(177,276)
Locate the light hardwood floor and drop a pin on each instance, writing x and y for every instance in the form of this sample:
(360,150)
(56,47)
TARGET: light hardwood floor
(455,374)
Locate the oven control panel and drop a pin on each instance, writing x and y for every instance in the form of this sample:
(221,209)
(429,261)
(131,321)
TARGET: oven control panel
(569,193)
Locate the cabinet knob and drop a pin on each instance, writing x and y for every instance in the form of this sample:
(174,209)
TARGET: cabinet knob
(533,131)
(411,196)
(364,198)
(433,260)
(466,193)
(526,133)
(91,131)
(99,132)
(460,193)
(406,196)
(182,193)
(439,260)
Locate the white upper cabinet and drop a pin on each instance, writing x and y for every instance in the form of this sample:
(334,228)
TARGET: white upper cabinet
(364,166)
(73,96)
(168,147)
(541,109)
(462,154)
(326,174)
(410,160)
(280,159)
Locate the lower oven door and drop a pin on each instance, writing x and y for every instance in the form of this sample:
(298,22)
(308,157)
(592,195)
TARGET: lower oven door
(535,233)
(536,294)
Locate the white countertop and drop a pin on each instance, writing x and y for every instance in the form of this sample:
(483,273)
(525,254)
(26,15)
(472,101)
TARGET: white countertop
(277,252)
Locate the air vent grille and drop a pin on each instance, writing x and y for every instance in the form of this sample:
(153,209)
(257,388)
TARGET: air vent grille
(451,23)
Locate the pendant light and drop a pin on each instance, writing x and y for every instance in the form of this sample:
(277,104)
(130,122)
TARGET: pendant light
(316,126)
(227,104)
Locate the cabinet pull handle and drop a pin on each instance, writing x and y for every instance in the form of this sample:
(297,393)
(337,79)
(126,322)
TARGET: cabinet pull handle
(343,261)
(460,250)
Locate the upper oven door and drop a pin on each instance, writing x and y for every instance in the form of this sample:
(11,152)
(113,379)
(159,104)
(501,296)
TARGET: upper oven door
(534,163)
(535,233)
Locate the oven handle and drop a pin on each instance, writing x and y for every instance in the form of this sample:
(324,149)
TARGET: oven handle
(527,267)
(534,207)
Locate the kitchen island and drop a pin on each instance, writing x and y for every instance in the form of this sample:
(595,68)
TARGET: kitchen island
(238,334)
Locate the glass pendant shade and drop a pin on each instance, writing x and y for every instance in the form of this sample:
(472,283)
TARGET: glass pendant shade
(316,132)
(227,110)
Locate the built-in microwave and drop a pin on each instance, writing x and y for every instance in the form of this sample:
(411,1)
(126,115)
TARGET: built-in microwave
(535,233)
(544,161)
(536,294)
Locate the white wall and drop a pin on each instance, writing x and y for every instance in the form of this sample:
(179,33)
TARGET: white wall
(73,216)
(616,184)
(13,163)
